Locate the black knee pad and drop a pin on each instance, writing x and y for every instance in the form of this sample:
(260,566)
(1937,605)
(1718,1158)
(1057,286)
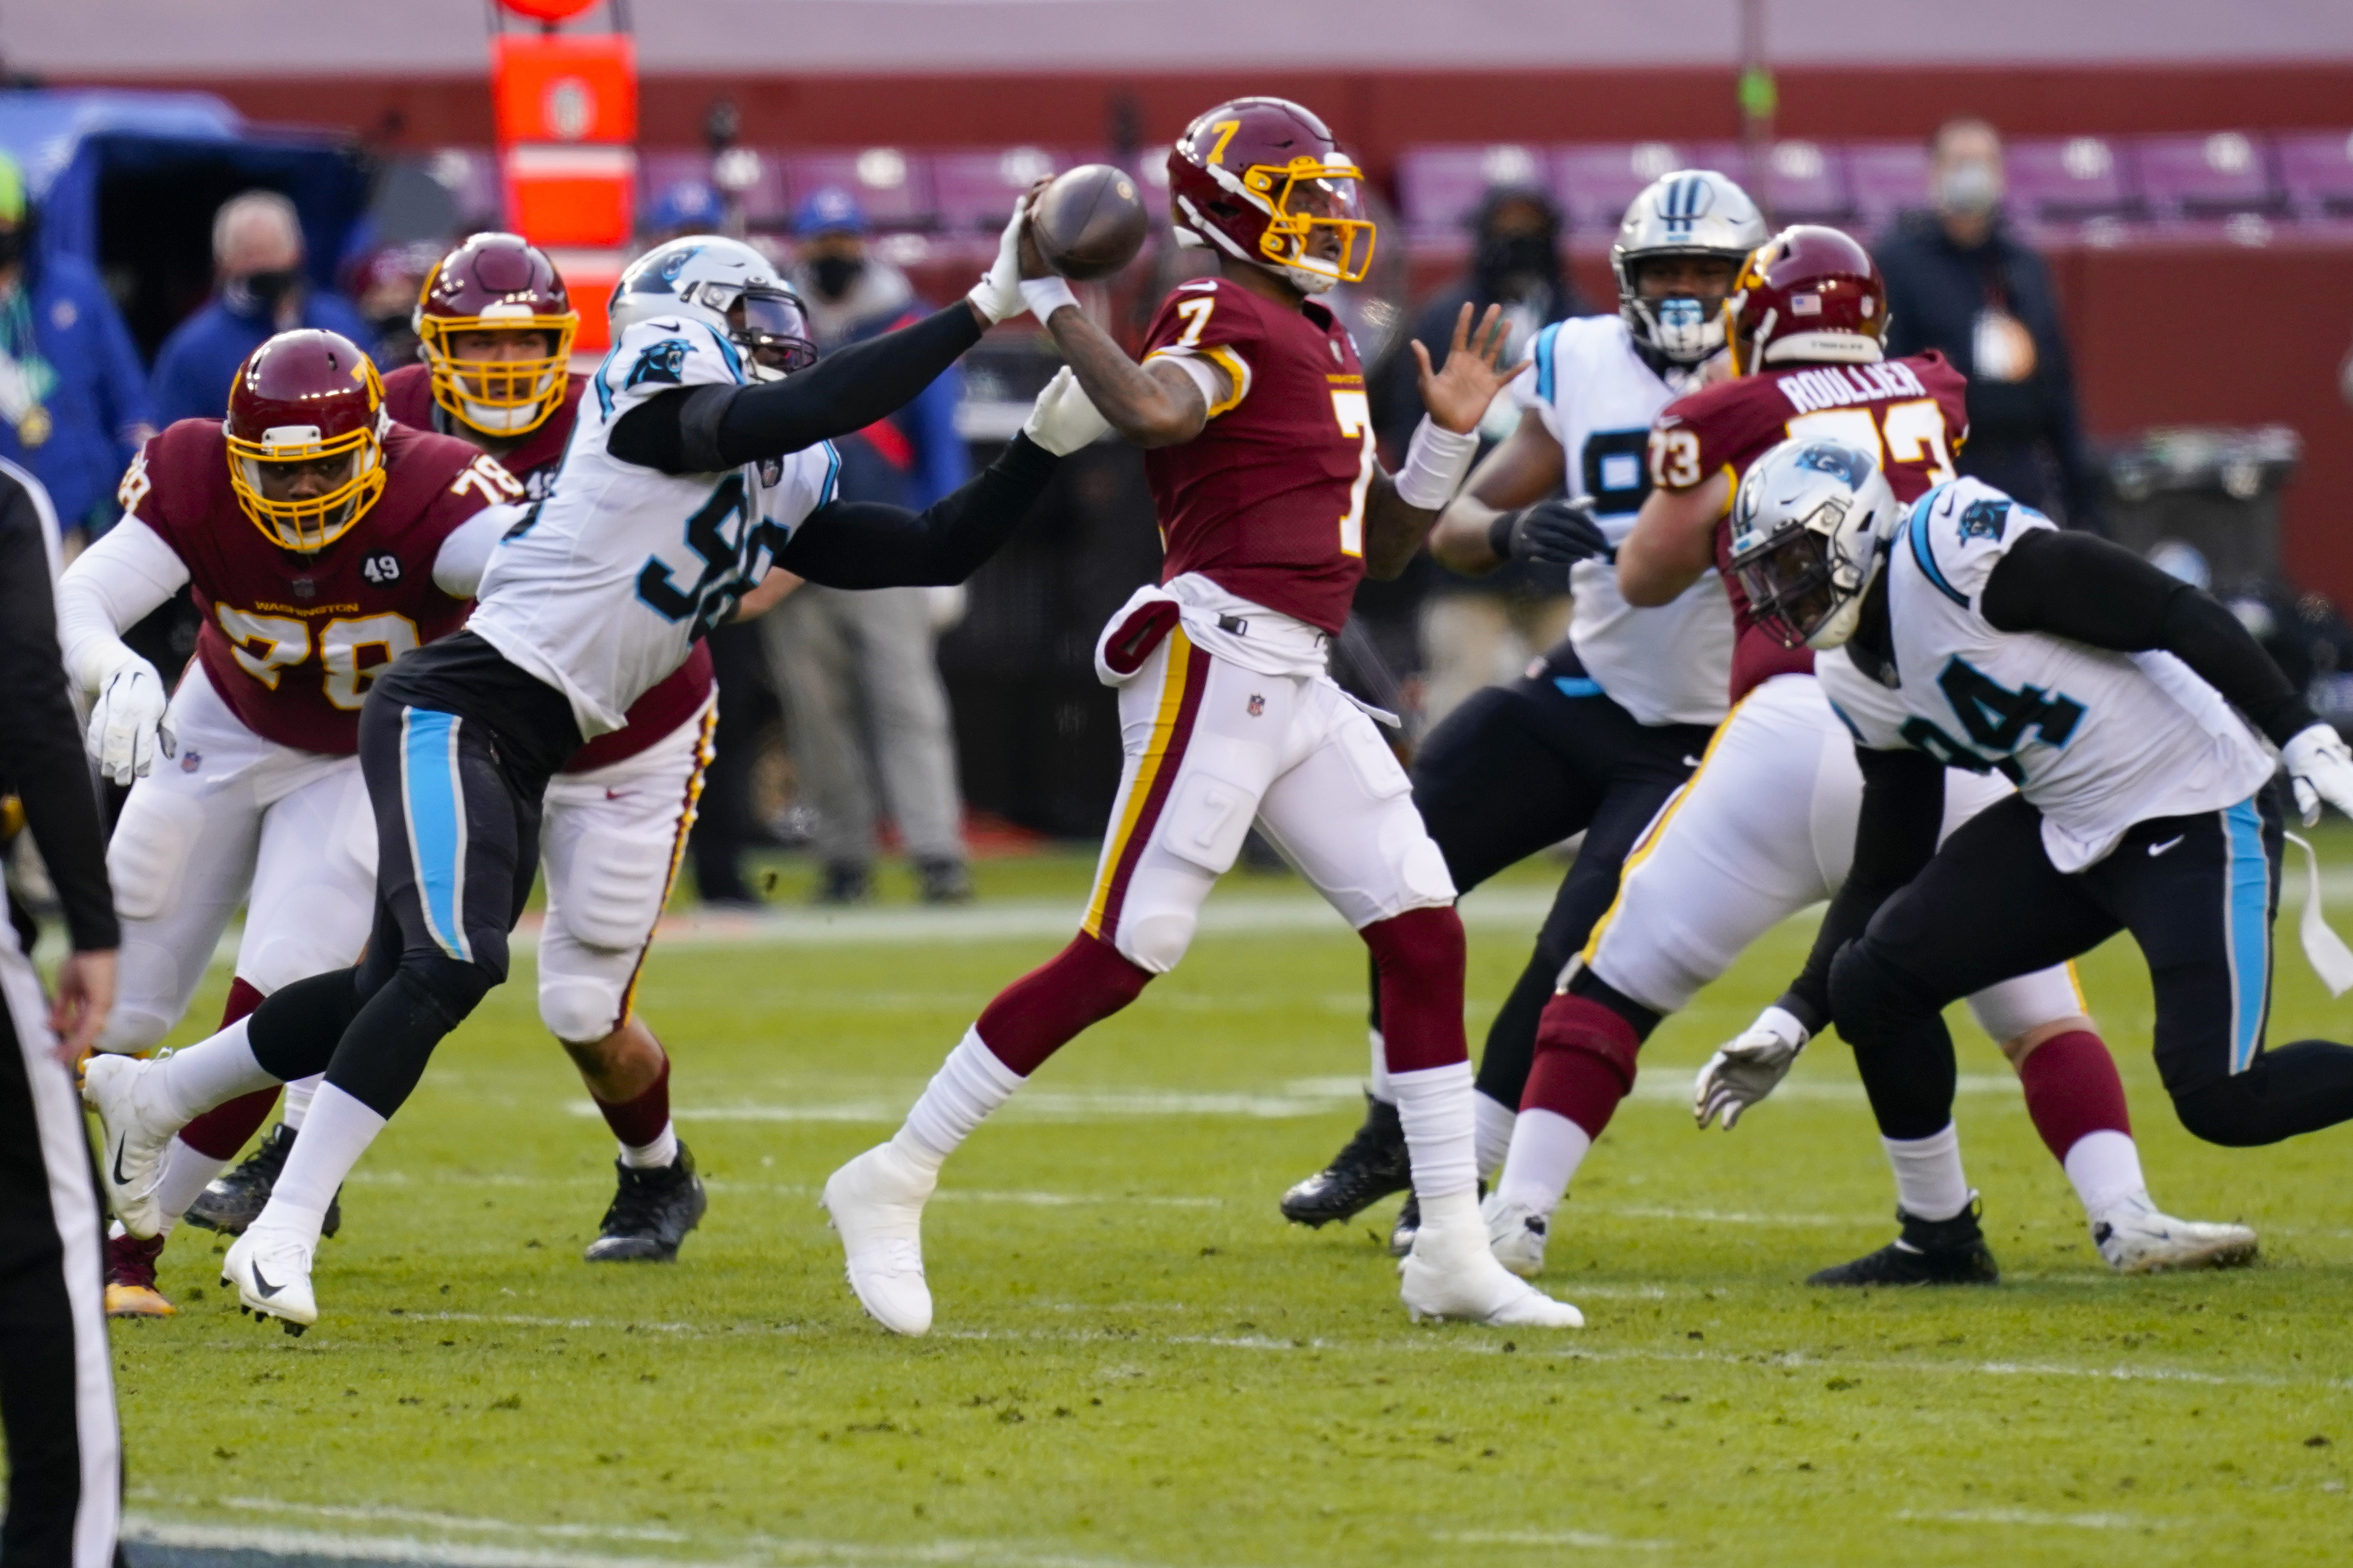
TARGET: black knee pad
(451,987)
(2232,1111)
(1869,997)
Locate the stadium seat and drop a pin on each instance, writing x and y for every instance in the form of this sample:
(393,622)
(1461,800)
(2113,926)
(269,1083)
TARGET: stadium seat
(1593,183)
(2071,177)
(2315,171)
(2226,173)
(1884,179)
(1807,181)
(894,186)
(763,193)
(975,190)
(1438,188)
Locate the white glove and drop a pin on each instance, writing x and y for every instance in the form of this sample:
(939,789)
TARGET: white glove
(1062,420)
(1747,1071)
(998,295)
(126,723)
(2319,767)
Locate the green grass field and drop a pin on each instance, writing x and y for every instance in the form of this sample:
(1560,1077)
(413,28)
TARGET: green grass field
(1137,1362)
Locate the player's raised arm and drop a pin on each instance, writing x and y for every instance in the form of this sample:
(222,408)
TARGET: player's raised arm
(1673,538)
(1157,404)
(1399,509)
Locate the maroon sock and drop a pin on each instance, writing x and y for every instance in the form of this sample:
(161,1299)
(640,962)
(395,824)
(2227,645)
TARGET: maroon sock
(639,1121)
(221,1131)
(1032,1018)
(2071,1088)
(1584,1064)
(1418,958)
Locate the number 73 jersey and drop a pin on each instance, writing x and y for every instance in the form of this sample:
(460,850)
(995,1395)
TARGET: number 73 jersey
(292,642)
(1268,501)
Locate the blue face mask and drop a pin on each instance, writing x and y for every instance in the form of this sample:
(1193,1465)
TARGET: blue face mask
(1685,330)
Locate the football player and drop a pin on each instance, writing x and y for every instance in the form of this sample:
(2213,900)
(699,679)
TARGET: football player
(323,543)
(1766,824)
(2121,700)
(703,463)
(1607,725)
(1251,403)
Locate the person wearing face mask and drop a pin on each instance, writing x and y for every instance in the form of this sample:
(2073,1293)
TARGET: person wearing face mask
(73,397)
(259,254)
(1960,279)
(866,713)
(1474,633)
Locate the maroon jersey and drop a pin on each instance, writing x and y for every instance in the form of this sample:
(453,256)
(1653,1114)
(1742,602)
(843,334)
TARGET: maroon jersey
(1268,501)
(292,642)
(408,398)
(1912,412)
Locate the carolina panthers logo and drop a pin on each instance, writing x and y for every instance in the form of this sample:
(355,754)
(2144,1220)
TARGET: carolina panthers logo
(1984,520)
(674,264)
(663,362)
(1825,457)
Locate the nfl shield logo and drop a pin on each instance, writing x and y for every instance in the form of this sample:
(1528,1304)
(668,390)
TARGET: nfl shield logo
(191,760)
(1257,705)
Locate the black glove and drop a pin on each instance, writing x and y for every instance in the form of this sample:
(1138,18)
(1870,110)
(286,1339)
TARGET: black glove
(1554,532)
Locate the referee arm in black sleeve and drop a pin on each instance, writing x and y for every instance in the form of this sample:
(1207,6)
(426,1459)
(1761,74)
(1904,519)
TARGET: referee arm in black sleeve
(708,429)
(42,744)
(867,544)
(1894,835)
(2084,588)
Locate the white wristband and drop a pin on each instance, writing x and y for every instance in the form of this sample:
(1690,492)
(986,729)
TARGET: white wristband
(1044,296)
(1435,462)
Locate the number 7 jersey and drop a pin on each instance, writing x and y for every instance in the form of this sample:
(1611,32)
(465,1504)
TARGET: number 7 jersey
(1268,501)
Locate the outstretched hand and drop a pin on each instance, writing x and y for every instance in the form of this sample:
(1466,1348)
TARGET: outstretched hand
(1457,393)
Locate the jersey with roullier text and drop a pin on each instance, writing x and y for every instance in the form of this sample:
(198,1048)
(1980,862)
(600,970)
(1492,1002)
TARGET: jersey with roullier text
(534,462)
(1910,414)
(1268,501)
(293,641)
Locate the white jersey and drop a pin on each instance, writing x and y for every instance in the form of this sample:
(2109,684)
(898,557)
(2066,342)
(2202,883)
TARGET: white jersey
(2096,741)
(601,589)
(1672,664)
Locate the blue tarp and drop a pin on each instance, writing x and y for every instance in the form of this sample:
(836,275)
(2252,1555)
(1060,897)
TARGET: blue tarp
(66,142)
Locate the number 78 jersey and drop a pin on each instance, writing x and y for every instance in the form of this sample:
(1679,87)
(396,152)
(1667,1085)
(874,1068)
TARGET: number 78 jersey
(1268,501)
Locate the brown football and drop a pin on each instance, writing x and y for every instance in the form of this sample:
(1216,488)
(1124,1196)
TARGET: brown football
(1089,222)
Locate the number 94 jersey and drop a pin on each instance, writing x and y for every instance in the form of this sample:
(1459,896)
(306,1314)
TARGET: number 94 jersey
(603,587)
(291,642)
(1268,501)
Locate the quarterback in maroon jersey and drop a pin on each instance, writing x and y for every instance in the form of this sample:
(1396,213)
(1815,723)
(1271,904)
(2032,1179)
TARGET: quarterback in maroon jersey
(1272,505)
(1766,825)
(323,542)
(495,326)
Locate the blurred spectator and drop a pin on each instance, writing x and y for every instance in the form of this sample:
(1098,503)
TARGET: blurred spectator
(387,285)
(1959,279)
(690,207)
(1477,631)
(866,713)
(73,396)
(257,253)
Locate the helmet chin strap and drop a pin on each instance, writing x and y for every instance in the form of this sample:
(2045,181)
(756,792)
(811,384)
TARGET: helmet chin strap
(497,421)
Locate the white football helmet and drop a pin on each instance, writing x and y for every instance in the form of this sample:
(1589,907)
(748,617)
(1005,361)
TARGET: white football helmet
(1691,211)
(1808,526)
(727,286)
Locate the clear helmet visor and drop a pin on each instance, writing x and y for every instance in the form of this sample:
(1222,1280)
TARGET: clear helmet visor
(773,330)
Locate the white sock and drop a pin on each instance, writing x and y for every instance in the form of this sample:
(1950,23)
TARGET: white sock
(1929,1178)
(299,1095)
(186,1173)
(211,1072)
(653,1156)
(1547,1149)
(969,1085)
(1434,1106)
(2105,1167)
(1491,1132)
(338,1133)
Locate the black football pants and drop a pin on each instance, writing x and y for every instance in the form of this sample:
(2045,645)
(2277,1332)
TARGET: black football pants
(2198,894)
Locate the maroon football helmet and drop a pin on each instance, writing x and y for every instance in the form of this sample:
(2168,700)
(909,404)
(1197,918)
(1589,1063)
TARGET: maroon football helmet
(1262,180)
(305,428)
(1807,294)
(496,283)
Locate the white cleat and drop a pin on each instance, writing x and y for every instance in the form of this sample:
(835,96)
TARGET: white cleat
(1450,1276)
(1515,1234)
(135,1131)
(877,1205)
(2137,1237)
(270,1268)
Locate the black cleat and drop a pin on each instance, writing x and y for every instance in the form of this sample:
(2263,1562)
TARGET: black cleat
(1370,1166)
(234,1199)
(1928,1252)
(943,882)
(844,884)
(651,1213)
(1408,1225)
